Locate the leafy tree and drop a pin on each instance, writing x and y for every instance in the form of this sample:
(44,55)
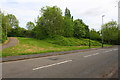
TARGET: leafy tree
(3,26)
(67,13)
(18,32)
(79,29)
(39,33)
(51,21)
(13,26)
(9,22)
(13,22)
(110,32)
(68,24)
(94,35)
(30,25)
(40,30)
(87,35)
(68,27)
(86,29)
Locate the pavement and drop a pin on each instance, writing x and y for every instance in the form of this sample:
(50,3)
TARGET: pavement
(94,63)
(12,42)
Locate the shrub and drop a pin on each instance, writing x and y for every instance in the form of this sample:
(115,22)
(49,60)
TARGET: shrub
(63,41)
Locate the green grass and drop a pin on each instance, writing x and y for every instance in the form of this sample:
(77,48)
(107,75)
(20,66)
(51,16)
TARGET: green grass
(29,46)
(63,41)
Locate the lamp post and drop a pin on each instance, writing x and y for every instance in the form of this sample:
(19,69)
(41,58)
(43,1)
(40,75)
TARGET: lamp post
(101,29)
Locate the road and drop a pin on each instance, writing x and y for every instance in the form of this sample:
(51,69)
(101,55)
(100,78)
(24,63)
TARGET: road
(90,64)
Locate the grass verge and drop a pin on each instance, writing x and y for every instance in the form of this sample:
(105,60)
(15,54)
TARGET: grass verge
(29,46)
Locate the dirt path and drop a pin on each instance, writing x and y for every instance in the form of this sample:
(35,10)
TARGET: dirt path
(12,42)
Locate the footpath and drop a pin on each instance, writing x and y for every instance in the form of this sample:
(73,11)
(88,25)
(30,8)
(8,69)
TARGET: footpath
(12,41)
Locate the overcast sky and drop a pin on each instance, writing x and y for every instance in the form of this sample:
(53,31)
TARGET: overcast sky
(90,11)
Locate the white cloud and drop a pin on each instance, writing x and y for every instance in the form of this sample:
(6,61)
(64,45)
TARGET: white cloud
(88,10)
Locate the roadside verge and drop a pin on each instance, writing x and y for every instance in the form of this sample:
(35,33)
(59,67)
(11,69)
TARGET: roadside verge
(22,57)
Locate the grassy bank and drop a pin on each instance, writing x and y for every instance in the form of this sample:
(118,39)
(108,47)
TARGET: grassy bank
(28,46)
(63,41)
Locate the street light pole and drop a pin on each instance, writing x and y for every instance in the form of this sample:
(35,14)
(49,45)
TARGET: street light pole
(101,30)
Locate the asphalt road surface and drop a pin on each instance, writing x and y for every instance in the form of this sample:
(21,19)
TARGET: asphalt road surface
(90,64)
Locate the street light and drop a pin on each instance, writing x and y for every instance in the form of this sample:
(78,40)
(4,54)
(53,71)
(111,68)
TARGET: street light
(101,29)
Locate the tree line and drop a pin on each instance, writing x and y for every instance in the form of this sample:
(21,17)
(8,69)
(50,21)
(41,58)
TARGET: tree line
(51,22)
(9,27)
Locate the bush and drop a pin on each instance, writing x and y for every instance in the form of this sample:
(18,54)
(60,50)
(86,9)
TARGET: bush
(3,37)
(63,41)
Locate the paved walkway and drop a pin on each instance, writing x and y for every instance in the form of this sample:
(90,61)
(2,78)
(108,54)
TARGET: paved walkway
(12,42)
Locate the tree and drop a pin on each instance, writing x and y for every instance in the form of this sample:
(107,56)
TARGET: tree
(86,29)
(79,29)
(18,32)
(13,28)
(3,26)
(68,24)
(30,25)
(94,35)
(50,22)
(110,32)
(87,35)
(67,13)
(68,27)
(13,22)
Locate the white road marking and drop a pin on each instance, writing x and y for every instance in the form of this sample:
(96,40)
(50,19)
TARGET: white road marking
(87,56)
(107,51)
(95,53)
(115,49)
(91,55)
(52,65)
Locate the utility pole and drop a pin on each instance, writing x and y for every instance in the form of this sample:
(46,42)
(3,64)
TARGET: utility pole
(102,31)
